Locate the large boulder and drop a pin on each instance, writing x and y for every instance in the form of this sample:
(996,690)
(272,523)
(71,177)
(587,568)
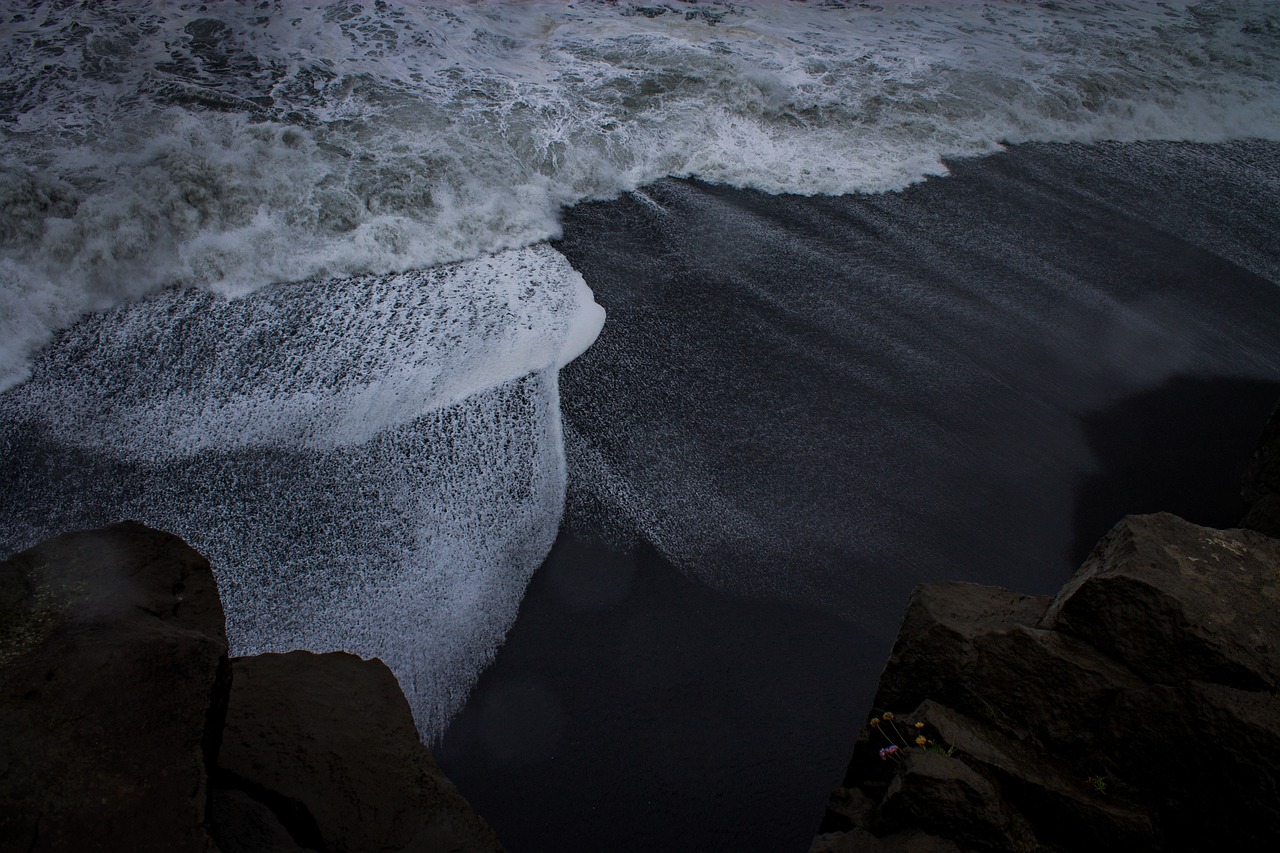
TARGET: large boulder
(1135,710)
(1175,602)
(979,646)
(322,749)
(939,794)
(113,685)
(1044,792)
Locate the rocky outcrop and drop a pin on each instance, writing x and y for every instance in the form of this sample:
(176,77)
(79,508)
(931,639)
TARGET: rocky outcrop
(308,735)
(113,685)
(124,726)
(1135,710)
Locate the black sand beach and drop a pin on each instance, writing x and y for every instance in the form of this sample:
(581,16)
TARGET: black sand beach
(800,408)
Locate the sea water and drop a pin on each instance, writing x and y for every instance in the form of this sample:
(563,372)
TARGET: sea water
(273,275)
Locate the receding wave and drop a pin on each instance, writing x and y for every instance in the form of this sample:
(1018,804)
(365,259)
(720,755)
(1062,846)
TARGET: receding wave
(234,145)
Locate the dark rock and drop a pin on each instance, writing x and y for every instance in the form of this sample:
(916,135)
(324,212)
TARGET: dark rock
(850,808)
(113,685)
(241,823)
(853,841)
(1042,789)
(977,646)
(327,744)
(1264,516)
(1176,602)
(937,640)
(1212,751)
(120,729)
(943,794)
(1136,710)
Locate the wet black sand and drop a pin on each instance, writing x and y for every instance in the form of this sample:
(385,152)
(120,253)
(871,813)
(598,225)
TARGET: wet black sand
(801,408)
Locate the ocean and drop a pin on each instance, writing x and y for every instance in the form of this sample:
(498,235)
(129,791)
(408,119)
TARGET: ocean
(614,370)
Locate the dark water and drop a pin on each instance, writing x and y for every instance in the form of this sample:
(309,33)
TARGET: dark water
(800,408)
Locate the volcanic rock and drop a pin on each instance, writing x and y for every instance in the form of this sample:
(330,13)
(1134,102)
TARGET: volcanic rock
(326,743)
(979,646)
(1212,751)
(1135,710)
(121,729)
(1177,602)
(113,686)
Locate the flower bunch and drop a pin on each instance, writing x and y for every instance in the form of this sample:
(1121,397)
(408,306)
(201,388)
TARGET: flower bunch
(886,721)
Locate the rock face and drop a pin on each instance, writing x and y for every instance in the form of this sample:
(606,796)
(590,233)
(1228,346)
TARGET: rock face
(124,726)
(113,682)
(308,735)
(1135,710)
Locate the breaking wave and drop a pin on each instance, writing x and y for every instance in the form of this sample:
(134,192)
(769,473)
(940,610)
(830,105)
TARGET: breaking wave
(236,145)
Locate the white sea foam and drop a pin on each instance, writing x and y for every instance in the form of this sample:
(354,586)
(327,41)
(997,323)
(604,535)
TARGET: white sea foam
(313,366)
(372,464)
(230,146)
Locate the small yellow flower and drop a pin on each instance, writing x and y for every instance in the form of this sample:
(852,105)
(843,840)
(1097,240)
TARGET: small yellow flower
(919,725)
(921,741)
(875,724)
(888,716)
